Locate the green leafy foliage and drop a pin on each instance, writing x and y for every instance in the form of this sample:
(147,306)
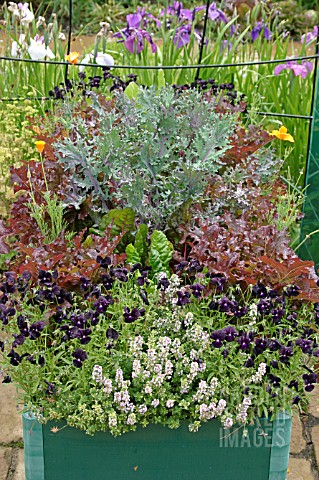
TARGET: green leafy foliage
(161,251)
(152,155)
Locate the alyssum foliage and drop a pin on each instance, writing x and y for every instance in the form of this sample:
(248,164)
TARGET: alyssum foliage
(153,154)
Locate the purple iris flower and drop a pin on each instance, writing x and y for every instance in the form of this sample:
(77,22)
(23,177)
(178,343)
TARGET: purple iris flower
(182,14)
(309,36)
(183,35)
(133,35)
(257,30)
(134,20)
(216,13)
(299,69)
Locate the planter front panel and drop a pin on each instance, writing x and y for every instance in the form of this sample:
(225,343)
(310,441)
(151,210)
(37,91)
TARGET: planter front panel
(158,453)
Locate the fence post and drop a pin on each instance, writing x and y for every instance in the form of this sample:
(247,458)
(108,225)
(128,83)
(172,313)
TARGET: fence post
(69,38)
(309,249)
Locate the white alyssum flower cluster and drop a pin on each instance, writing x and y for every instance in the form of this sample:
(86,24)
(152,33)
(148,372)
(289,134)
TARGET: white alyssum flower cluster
(258,376)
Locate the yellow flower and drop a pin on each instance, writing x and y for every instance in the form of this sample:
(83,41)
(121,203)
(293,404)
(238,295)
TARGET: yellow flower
(39,145)
(282,134)
(72,57)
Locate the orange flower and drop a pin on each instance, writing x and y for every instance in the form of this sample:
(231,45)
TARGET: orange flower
(282,134)
(72,57)
(39,145)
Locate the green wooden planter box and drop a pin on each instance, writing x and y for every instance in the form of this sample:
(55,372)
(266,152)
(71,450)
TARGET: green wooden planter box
(158,453)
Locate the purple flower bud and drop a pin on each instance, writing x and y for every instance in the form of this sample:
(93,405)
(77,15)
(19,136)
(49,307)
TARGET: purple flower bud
(41,360)
(112,333)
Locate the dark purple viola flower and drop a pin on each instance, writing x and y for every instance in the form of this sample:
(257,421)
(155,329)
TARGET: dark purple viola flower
(107,281)
(51,388)
(163,283)
(5,313)
(95,81)
(285,353)
(194,266)
(1,346)
(225,305)
(197,290)
(277,314)
(181,265)
(36,329)
(31,359)
(79,356)
(309,380)
(7,379)
(136,266)
(304,344)
(225,352)
(7,287)
(112,333)
(213,305)
(240,312)
(218,337)
(4,299)
(44,277)
(78,320)
(244,342)
(217,279)
(143,295)
(274,345)
(316,353)
(260,345)
(41,360)
(85,284)
(230,333)
(23,325)
(249,363)
(18,340)
(102,304)
(292,291)
(15,358)
(259,291)
(295,400)
(274,380)
(293,384)
(143,280)
(104,262)
(131,315)
(26,275)
(84,335)
(274,364)
(264,307)
(183,298)
(120,273)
